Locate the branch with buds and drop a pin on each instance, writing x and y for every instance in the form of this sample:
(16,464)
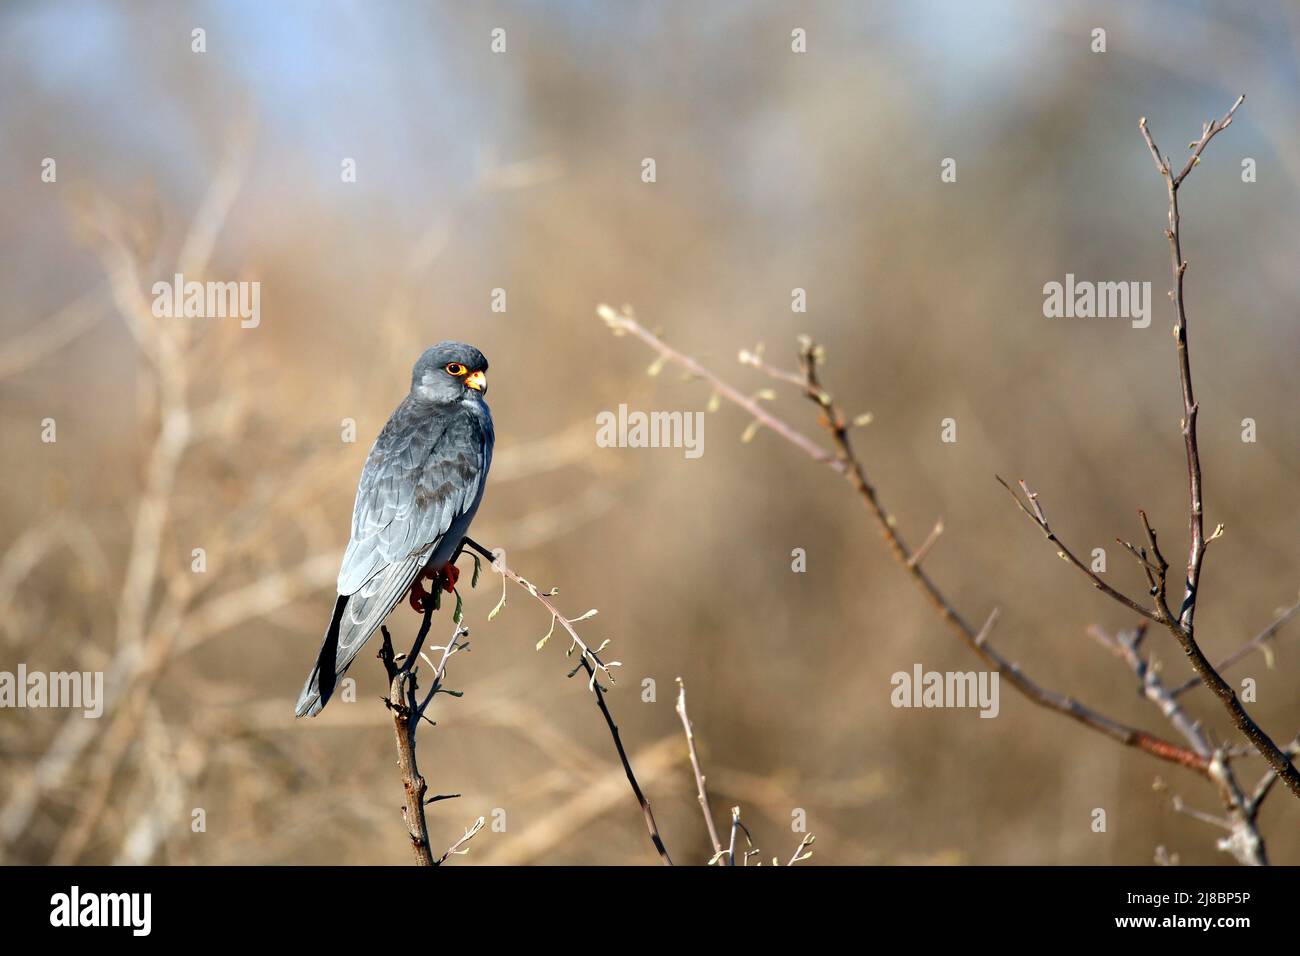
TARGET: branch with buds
(1149,556)
(726,856)
(1198,755)
(589,660)
(846,462)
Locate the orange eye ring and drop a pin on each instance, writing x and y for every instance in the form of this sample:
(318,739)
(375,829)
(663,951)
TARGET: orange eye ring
(455,368)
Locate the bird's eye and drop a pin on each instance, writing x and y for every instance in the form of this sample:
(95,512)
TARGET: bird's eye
(455,368)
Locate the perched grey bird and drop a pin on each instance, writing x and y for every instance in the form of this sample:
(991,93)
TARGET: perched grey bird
(420,488)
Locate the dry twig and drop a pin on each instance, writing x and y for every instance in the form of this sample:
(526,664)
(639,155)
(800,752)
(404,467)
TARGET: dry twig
(1181,626)
(727,856)
(588,660)
(847,463)
(701,792)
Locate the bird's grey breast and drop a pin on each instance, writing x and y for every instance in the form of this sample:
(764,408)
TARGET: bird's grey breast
(461,477)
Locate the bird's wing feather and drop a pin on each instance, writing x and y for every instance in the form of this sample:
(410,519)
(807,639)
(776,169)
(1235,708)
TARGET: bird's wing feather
(424,473)
(421,475)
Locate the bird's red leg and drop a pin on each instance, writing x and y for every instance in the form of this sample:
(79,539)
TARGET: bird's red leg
(418,595)
(444,577)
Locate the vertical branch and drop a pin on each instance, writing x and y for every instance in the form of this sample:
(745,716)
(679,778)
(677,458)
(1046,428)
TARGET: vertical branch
(1183,627)
(702,793)
(1196,515)
(647,814)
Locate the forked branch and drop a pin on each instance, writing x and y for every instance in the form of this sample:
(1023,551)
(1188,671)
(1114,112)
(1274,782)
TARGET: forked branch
(846,462)
(1182,626)
(402,704)
(408,710)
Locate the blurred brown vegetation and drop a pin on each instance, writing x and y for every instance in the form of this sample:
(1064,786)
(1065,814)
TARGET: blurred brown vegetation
(522,171)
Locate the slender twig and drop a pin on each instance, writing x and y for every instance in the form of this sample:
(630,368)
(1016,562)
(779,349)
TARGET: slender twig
(440,669)
(730,855)
(589,661)
(1160,584)
(919,555)
(1207,818)
(1196,519)
(460,848)
(1035,514)
(1182,628)
(847,463)
(724,857)
(799,855)
(623,324)
(701,791)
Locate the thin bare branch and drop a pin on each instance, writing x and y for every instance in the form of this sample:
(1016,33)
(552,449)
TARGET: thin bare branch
(1035,514)
(589,661)
(700,789)
(919,555)
(847,464)
(799,855)
(1183,627)
(460,847)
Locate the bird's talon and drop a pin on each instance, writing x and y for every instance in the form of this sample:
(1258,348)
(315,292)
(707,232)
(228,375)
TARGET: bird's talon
(418,597)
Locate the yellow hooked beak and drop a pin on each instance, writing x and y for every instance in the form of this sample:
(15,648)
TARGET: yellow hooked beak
(477,381)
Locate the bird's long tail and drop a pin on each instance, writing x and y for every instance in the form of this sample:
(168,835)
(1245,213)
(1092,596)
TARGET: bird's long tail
(324,676)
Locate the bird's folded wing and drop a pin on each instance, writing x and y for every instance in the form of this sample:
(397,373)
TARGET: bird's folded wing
(422,474)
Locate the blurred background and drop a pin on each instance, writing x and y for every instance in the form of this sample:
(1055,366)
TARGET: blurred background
(522,171)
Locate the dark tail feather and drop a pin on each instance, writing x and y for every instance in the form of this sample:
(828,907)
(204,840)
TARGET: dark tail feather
(323,678)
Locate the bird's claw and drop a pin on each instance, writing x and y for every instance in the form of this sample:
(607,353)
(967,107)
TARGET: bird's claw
(443,578)
(418,596)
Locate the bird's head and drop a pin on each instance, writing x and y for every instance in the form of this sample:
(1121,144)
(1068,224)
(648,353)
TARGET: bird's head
(450,372)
